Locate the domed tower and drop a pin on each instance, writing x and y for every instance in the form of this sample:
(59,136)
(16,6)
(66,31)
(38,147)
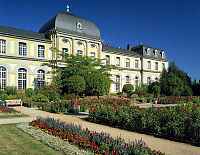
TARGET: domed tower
(73,35)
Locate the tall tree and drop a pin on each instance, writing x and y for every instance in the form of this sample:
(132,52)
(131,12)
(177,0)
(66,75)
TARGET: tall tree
(175,82)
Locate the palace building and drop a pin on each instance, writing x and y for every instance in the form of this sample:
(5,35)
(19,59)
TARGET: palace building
(23,53)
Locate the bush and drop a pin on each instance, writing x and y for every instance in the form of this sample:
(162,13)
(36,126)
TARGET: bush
(180,123)
(40,98)
(29,92)
(114,101)
(128,89)
(11,90)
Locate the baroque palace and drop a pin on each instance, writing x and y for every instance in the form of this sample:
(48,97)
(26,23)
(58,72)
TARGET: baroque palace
(23,53)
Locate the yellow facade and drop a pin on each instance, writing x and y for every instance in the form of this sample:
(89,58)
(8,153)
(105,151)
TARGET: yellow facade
(130,67)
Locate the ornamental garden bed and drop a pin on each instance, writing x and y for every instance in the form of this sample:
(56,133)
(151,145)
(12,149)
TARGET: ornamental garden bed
(98,143)
(6,112)
(180,123)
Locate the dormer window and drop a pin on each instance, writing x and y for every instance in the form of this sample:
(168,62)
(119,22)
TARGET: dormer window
(79,26)
(155,53)
(148,50)
(163,54)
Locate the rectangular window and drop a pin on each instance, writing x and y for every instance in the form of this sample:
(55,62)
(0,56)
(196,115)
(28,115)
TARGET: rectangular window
(107,60)
(22,49)
(79,52)
(149,80)
(117,61)
(117,83)
(136,63)
(93,54)
(156,65)
(149,64)
(2,47)
(128,79)
(41,51)
(127,63)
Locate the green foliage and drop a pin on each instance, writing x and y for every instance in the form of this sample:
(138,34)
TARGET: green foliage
(141,90)
(97,84)
(94,73)
(50,91)
(75,84)
(128,89)
(175,82)
(196,88)
(180,123)
(40,98)
(29,92)
(11,90)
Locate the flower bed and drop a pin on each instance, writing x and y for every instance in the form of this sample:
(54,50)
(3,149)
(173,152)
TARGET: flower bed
(4,109)
(99,143)
(54,142)
(105,100)
(181,123)
(176,99)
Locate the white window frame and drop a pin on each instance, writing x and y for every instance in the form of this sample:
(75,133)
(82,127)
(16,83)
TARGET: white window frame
(22,49)
(2,46)
(22,79)
(41,51)
(148,64)
(3,78)
(128,63)
(40,78)
(118,61)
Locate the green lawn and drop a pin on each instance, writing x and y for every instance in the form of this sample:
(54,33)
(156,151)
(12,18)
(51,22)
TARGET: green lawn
(11,115)
(13,141)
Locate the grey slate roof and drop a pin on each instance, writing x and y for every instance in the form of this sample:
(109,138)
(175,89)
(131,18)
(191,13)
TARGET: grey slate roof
(67,22)
(6,30)
(120,51)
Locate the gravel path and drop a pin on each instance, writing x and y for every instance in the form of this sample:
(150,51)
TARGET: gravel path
(169,147)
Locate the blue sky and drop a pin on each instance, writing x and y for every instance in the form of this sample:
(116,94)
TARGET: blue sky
(173,25)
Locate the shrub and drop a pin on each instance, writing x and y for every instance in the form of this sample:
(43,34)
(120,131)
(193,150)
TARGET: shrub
(128,89)
(40,98)
(115,101)
(180,123)
(11,90)
(29,92)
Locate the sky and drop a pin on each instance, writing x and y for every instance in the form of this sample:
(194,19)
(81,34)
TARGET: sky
(173,25)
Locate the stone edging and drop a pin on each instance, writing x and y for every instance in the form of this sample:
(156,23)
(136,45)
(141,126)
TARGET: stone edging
(52,141)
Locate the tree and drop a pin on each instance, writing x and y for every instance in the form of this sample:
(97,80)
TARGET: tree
(154,88)
(97,84)
(75,85)
(175,82)
(128,89)
(95,75)
(196,88)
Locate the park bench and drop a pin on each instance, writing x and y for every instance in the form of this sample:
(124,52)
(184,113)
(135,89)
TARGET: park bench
(13,102)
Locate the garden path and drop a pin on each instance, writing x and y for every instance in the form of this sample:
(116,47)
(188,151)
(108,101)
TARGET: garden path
(167,146)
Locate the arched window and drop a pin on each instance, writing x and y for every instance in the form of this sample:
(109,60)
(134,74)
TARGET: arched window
(2,78)
(22,78)
(40,78)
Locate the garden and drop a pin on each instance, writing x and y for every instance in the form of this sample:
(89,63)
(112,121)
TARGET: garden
(83,86)
(97,143)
